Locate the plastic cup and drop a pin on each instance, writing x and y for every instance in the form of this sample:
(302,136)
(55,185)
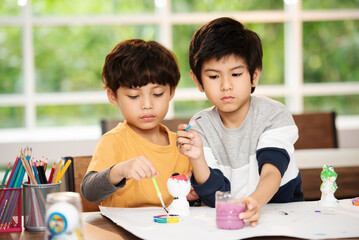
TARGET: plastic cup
(228,210)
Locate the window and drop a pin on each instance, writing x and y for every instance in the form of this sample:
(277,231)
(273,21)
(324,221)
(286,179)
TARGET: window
(52,53)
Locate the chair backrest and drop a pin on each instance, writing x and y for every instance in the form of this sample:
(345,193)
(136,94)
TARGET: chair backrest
(172,124)
(316,130)
(75,174)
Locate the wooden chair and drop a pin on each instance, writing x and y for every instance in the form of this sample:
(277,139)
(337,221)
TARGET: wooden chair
(74,176)
(172,124)
(316,130)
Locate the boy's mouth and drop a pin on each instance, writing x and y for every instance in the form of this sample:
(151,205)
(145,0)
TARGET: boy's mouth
(227,99)
(147,118)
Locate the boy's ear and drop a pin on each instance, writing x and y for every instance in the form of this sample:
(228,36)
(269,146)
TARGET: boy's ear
(256,77)
(111,97)
(199,86)
(173,90)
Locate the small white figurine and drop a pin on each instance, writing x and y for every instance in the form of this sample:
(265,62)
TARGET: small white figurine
(179,187)
(328,187)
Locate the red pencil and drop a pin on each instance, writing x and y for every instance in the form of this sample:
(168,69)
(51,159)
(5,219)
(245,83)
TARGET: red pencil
(13,169)
(52,173)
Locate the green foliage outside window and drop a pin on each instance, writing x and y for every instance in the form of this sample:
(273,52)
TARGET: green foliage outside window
(224,5)
(12,117)
(331,51)
(77,115)
(91,7)
(70,58)
(11,80)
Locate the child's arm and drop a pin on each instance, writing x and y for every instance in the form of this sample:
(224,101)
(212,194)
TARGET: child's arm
(98,186)
(268,185)
(190,144)
(137,168)
(205,180)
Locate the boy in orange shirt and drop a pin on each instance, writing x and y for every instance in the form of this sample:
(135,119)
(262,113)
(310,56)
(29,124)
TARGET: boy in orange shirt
(140,77)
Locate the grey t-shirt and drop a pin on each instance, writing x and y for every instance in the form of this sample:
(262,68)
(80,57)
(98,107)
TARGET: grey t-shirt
(268,125)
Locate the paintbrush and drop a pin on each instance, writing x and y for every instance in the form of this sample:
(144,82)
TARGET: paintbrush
(159,194)
(189,125)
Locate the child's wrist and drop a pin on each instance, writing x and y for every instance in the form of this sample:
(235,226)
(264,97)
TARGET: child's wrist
(115,175)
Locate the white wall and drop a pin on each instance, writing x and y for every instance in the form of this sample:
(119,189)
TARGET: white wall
(54,150)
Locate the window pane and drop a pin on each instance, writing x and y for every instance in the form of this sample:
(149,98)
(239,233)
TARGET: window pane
(90,7)
(12,117)
(330,52)
(329,4)
(182,35)
(9,8)
(272,35)
(71,58)
(10,60)
(75,115)
(342,105)
(185,109)
(224,5)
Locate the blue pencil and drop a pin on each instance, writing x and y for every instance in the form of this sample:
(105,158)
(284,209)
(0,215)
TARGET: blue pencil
(35,172)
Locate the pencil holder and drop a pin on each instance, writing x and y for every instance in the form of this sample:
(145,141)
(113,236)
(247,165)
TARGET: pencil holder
(35,204)
(11,210)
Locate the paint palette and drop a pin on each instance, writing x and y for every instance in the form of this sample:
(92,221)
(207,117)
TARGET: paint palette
(355,201)
(171,218)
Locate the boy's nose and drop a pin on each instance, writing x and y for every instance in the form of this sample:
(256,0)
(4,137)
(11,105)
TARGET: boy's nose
(226,85)
(147,103)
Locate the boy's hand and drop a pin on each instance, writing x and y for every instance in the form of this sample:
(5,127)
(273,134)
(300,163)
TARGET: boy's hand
(189,142)
(252,212)
(137,168)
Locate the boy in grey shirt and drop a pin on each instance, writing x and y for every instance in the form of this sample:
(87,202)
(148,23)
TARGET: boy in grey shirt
(244,143)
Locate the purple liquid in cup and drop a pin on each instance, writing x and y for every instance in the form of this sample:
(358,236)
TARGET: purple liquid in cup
(228,215)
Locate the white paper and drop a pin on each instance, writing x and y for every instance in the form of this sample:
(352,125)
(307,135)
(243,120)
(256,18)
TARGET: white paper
(300,219)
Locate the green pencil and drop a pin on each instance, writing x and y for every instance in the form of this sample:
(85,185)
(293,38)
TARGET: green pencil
(5,176)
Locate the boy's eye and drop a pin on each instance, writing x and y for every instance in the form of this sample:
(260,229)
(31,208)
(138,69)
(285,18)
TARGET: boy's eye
(213,76)
(236,74)
(157,94)
(133,97)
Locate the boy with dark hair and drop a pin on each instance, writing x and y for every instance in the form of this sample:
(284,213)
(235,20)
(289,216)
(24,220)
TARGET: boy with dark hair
(140,78)
(243,143)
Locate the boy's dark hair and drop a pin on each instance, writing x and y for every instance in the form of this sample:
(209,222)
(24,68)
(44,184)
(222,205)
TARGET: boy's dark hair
(135,63)
(223,37)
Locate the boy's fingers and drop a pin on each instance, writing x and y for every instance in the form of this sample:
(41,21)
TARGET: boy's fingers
(148,167)
(182,127)
(254,224)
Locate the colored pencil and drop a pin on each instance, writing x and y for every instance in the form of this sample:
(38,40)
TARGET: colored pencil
(28,170)
(63,170)
(36,174)
(14,171)
(52,173)
(42,172)
(5,197)
(57,171)
(45,164)
(5,176)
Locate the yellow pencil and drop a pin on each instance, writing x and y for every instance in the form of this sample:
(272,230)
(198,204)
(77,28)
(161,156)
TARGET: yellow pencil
(59,176)
(57,171)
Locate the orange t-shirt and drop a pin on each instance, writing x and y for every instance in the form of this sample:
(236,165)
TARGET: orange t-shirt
(122,144)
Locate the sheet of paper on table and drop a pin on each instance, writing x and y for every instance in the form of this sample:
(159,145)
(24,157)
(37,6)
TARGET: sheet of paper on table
(301,219)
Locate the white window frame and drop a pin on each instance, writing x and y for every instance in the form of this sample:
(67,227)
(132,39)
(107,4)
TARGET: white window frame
(294,89)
